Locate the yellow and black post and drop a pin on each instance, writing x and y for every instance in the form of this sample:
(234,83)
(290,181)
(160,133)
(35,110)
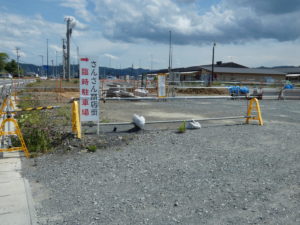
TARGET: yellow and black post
(258,112)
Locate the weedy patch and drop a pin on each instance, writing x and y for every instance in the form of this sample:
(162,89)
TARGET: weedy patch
(182,127)
(92,148)
(104,120)
(42,130)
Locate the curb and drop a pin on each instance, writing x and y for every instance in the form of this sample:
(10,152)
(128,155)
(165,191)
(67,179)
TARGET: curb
(30,203)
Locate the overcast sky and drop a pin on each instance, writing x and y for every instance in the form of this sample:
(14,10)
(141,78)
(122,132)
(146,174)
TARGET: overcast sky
(125,32)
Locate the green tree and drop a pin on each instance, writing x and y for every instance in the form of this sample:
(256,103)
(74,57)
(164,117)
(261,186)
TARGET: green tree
(3,60)
(12,67)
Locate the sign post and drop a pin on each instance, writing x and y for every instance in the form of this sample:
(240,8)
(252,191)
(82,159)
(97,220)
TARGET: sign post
(161,84)
(89,91)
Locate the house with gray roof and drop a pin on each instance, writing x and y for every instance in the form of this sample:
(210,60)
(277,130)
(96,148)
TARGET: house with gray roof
(244,74)
(229,72)
(292,73)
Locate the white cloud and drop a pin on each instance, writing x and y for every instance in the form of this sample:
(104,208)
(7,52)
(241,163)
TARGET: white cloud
(227,22)
(80,7)
(55,47)
(28,33)
(110,56)
(15,26)
(76,24)
(129,31)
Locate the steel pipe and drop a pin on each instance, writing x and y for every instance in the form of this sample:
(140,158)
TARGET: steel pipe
(173,98)
(171,121)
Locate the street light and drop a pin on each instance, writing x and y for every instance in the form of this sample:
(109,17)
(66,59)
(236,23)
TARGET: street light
(212,64)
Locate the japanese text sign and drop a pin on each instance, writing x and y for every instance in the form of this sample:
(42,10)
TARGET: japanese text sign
(89,90)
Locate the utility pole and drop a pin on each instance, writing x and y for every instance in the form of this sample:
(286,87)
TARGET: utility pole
(78,61)
(68,34)
(47,60)
(56,64)
(212,65)
(42,64)
(170,53)
(73,67)
(64,58)
(18,57)
(52,68)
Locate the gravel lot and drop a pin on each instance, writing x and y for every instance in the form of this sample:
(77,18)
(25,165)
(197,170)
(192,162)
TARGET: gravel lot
(221,174)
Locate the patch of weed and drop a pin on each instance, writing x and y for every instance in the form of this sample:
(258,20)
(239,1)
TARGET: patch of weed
(182,127)
(92,148)
(105,121)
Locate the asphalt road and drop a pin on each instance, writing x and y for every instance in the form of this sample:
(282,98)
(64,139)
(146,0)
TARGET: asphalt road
(223,173)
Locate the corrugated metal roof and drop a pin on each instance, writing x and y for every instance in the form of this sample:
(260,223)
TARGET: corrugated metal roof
(244,70)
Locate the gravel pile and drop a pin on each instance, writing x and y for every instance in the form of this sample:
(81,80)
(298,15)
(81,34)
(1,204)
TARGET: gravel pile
(233,174)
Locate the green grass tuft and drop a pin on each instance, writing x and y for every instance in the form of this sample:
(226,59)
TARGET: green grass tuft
(92,148)
(182,128)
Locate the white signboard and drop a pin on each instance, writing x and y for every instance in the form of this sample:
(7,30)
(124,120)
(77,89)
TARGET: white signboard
(161,83)
(89,90)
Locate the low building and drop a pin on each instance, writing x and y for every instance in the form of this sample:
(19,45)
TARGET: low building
(292,73)
(228,72)
(244,74)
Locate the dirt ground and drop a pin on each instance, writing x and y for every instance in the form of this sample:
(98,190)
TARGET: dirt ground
(70,95)
(203,91)
(179,92)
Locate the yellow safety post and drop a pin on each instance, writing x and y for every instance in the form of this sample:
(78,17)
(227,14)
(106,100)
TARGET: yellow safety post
(16,132)
(76,128)
(7,101)
(258,112)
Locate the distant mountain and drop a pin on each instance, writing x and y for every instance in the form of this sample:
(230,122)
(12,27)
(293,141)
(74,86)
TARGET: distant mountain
(276,67)
(29,68)
(284,69)
(103,71)
(106,71)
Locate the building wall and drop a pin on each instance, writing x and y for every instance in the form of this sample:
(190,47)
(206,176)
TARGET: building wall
(195,76)
(246,77)
(249,77)
(203,75)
